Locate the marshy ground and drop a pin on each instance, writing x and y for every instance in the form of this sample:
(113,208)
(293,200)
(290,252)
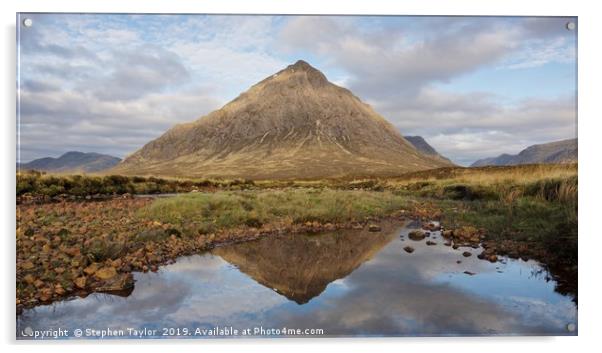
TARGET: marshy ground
(81,234)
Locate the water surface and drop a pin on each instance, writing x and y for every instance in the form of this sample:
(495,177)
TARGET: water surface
(345,283)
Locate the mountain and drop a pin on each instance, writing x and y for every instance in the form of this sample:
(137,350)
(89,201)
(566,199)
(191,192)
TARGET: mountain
(554,152)
(293,124)
(72,162)
(421,145)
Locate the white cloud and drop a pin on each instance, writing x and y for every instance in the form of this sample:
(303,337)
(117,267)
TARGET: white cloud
(96,83)
(67,120)
(385,63)
(469,127)
(539,53)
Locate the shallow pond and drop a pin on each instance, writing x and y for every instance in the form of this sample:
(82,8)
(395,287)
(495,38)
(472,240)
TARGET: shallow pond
(345,283)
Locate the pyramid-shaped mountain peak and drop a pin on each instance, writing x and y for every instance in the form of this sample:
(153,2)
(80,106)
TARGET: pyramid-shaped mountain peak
(302,65)
(301,72)
(294,124)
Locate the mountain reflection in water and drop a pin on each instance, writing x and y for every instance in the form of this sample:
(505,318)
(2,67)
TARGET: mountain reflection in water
(301,266)
(345,282)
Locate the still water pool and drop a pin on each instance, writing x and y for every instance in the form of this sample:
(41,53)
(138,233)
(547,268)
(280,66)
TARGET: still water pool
(345,283)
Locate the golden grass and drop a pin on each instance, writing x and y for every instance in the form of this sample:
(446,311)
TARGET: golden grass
(550,182)
(491,175)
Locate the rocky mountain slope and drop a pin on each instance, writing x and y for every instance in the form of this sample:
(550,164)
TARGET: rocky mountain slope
(293,124)
(72,162)
(564,151)
(421,145)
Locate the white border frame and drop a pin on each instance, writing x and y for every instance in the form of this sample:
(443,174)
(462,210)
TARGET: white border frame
(589,141)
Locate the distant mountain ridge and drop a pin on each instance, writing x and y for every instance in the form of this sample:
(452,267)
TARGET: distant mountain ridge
(564,151)
(72,161)
(421,145)
(293,124)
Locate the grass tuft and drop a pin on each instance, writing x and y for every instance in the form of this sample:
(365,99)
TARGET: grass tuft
(228,209)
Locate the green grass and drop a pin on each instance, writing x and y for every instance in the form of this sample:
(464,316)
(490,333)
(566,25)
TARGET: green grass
(41,184)
(228,209)
(550,226)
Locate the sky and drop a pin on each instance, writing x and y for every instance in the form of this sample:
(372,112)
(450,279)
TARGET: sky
(473,87)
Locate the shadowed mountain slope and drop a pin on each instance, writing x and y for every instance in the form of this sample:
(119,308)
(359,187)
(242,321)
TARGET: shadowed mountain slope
(421,145)
(72,162)
(554,152)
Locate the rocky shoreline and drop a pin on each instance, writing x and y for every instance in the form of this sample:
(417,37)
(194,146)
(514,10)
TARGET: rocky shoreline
(53,263)
(74,256)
